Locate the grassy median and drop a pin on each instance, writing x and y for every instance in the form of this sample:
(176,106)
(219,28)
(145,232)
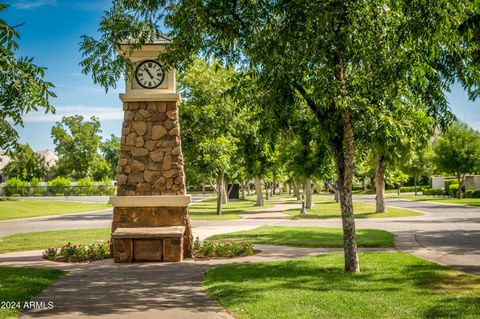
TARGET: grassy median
(307,237)
(55,238)
(13,209)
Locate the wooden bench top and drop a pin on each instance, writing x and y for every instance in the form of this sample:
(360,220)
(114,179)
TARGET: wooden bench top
(149,232)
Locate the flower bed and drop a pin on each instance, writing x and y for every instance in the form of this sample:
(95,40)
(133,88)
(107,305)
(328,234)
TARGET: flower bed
(221,249)
(96,250)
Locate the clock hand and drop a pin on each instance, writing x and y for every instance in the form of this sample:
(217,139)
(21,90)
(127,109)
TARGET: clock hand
(145,68)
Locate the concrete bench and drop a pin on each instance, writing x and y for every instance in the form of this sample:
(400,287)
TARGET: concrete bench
(148,244)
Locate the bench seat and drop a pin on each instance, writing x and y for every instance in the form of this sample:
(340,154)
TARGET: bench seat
(163,243)
(149,232)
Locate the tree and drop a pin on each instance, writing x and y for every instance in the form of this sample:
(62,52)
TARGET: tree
(76,144)
(258,135)
(417,163)
(322,53)
(22,87)
(395,131)
(209,121)
(457,151)
(110,149)
(26,164)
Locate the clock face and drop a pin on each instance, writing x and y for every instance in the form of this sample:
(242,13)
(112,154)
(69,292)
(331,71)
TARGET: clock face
(149,74)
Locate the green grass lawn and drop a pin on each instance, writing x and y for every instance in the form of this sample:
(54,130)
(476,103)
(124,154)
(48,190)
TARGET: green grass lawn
(47,239)
(325,208)
(308,237)
(206,210)
(442,199)
(22,209)
(21,284)
(391,285)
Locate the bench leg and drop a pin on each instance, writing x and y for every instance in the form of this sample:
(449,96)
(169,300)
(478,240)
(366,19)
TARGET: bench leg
(173,249)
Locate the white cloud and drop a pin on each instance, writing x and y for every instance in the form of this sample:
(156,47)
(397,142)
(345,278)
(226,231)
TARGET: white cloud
(85,89)
(104,113)
(475,125)
(33,4)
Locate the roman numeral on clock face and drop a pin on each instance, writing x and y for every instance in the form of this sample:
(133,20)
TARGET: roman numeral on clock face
(149,74)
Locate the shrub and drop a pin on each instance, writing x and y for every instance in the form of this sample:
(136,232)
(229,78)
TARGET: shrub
(59,185)
(15,186)
(411,189)
(473,194)
(449,182)
(357,188)
(453,190)
(222,249)
(36,188)
(106,190)
(435,192)
(96,250)
(85,186)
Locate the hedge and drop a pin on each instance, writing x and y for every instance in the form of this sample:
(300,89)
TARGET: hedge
(473,194)
(411,189)
(59,186)
(433,191)
(449,182)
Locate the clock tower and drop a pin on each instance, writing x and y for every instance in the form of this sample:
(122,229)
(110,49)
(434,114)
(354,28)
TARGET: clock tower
(150,218)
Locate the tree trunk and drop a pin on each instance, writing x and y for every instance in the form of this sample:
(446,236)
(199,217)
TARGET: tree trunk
(289,189)
(344,156)
(225,193)
(460,187)
(203,188)
(266,190)
(308,194)
(248,188)
(380,185)
(243,189)
(344,152)
(296,189)
(258,191)
(220,192)
(415,184)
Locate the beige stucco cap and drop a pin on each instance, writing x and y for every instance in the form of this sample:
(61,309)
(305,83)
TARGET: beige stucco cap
(151,201)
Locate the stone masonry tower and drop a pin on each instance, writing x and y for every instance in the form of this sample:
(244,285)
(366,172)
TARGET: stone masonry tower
(150,218)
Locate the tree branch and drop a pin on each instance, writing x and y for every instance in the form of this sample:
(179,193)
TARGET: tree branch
(311,104)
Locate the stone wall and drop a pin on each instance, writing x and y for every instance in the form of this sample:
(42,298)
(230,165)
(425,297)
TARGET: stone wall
(151,161)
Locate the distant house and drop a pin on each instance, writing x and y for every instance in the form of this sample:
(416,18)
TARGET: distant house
(472,182)
(4,160)
(50,158)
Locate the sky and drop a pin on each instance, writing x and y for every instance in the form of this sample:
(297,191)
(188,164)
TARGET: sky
(51,34)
